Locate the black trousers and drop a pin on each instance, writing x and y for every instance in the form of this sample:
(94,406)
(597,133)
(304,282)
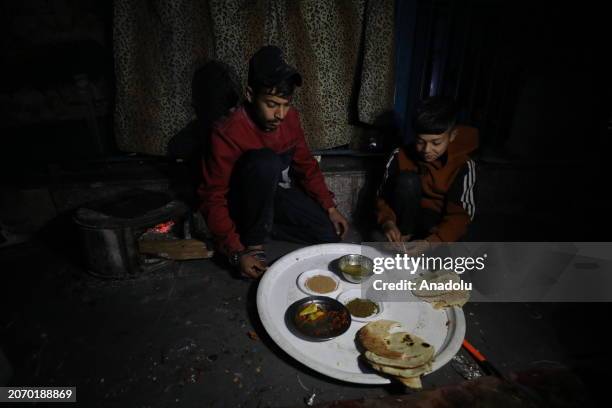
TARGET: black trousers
(262,209)
(404,196)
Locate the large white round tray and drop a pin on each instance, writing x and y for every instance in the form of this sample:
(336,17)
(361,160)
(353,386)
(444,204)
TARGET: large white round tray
(339,358)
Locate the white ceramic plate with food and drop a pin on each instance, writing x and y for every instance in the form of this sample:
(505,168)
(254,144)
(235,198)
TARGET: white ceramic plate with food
(355,295)
(318,282)
(339,358)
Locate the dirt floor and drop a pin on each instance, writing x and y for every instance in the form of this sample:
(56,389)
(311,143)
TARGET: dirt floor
(190,336)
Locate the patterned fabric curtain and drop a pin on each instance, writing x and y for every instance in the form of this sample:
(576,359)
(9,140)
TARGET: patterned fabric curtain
(343,48)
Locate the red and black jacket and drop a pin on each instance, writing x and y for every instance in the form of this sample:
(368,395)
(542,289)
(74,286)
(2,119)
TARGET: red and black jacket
(233,136)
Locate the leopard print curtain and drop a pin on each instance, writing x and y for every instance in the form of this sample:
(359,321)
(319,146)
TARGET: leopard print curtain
(343,48)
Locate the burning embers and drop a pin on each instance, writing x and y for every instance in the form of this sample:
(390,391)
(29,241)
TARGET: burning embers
(162,228)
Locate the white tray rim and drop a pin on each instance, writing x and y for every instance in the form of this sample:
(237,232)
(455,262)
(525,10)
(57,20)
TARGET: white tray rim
(453,341)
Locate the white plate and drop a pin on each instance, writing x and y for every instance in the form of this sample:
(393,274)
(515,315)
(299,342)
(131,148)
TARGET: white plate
(351,294)
(339,358)
(304,276)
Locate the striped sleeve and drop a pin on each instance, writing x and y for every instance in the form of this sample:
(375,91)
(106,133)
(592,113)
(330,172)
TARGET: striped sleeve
(464,187)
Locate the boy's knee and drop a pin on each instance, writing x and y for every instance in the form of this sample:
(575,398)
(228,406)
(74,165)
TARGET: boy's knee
(328,236)
(261,162)
(408,182)
(324,232)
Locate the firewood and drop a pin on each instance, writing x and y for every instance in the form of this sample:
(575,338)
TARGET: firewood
(178,249)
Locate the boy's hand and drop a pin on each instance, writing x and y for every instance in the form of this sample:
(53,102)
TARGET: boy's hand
(251,267)
(391,231)
(340,223)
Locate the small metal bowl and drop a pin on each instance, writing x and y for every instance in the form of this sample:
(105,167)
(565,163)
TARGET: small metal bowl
(356,268)
(323,329)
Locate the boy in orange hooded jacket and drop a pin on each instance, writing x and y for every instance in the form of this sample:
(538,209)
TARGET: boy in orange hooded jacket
(428,189)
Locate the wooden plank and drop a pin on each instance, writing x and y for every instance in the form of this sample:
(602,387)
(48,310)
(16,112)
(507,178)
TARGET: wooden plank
(178,249)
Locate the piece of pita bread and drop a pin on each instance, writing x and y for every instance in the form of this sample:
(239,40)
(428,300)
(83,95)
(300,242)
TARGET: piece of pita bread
(373,338)
(402,355)
(409,344)
(442,298)
(414,351)
(442,276)
(413,362)
(402,372)
(457,298)
(411,382)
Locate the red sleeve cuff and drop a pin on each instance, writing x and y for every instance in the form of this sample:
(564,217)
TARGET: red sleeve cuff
(328,203)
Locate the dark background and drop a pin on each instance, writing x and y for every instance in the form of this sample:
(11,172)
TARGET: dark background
(534,77)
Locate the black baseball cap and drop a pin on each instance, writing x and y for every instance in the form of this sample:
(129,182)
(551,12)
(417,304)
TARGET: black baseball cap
(268,68)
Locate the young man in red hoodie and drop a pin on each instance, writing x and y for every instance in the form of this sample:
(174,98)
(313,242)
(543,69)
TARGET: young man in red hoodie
(427,194)
(260,178)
